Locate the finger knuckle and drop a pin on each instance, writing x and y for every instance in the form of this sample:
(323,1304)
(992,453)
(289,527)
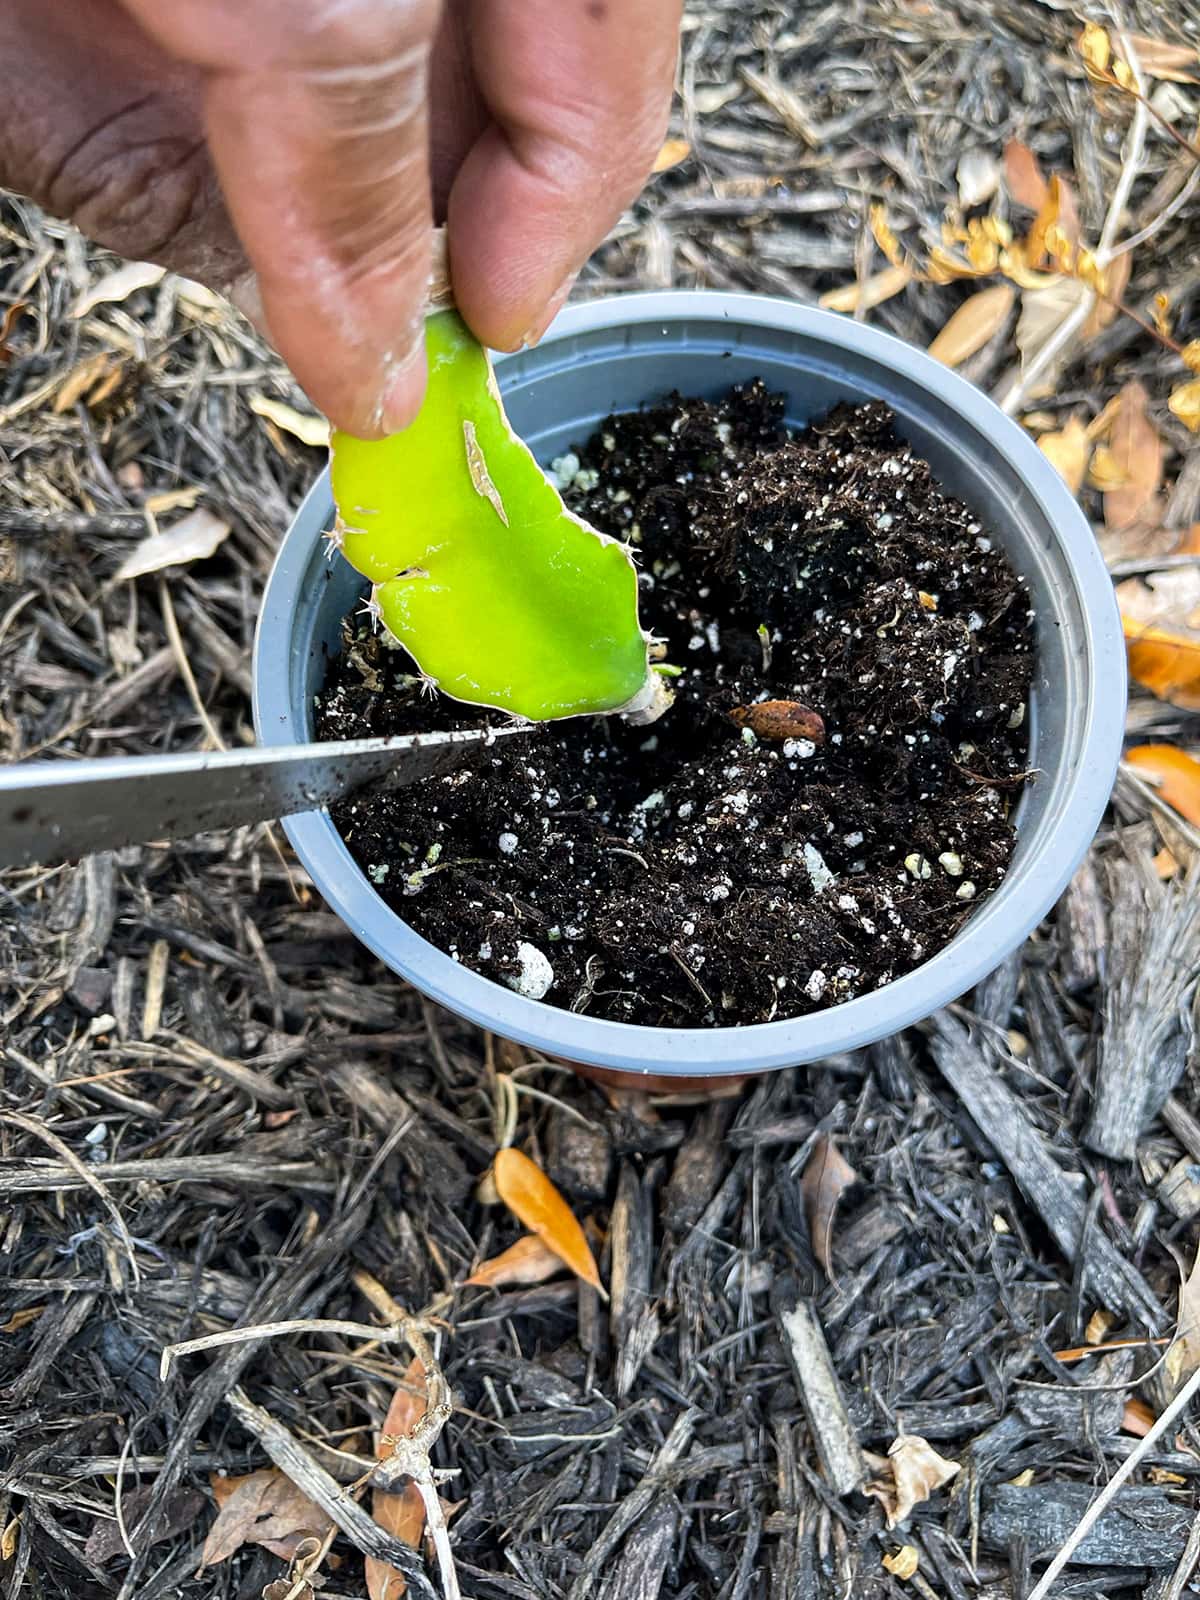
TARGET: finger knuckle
(136,197)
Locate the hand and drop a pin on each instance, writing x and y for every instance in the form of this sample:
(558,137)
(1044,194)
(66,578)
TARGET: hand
(295,154)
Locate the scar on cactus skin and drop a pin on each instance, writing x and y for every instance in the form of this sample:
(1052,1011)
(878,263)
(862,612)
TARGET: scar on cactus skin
(501,595)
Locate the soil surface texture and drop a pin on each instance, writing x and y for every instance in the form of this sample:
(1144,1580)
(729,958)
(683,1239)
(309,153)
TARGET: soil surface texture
(697,873)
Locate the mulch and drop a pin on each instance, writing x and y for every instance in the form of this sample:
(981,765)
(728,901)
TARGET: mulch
(218,1111)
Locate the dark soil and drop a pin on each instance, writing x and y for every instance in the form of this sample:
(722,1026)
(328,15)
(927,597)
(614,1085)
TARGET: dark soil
(690,873)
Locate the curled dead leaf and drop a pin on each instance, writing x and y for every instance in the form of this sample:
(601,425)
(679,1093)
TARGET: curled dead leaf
(537,1204)
(902,1563)
(1174,773)
(975,322)
(1069,449)
(912,1472)
(826,1178)
(12,315)
(1054,233)
(1183,1358)
(1095,46)
(527,1261)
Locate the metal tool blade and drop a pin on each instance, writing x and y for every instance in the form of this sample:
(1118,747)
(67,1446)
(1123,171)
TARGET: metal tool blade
(54,811)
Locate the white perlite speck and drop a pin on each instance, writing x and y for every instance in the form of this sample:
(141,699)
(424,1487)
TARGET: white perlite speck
(798,749)
(536,974)
(815,987)
(508,843)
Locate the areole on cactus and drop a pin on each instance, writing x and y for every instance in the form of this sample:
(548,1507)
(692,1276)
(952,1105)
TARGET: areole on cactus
(502,596)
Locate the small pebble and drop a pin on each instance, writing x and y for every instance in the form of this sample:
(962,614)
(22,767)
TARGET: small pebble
(918,866)
(508,843)
(951,863)
(965,891)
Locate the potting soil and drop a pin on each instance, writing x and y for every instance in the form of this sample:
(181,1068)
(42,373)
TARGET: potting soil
(693,873)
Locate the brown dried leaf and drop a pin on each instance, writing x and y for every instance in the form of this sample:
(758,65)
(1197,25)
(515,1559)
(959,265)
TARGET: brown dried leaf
(1054,233)
(975,322)
(263,1508)
(1023,176)
(182,1508)
(1138,453)
(22,1319)
(1115,282)
(826,1178)
(903,1563)
(192,538)
(912,1472)
(880,286)
(401,1514)
(537,1204)
(1095,47)
(1069,449)
(527,1261)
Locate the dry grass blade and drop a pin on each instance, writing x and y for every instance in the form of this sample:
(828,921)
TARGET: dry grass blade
(118,285)
(303,425)
(536,1203)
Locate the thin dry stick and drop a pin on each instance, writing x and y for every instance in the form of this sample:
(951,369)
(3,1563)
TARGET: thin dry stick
(175,639)
(1098,1506)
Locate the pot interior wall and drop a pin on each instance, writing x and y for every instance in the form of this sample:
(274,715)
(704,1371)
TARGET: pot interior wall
(558,395)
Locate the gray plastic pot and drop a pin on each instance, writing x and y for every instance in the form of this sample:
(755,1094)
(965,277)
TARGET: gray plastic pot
(611,355)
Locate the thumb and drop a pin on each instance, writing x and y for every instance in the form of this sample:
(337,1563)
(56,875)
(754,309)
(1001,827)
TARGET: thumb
(317,126)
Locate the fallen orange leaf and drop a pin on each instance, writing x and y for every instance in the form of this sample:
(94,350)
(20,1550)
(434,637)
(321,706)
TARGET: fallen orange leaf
(265,1508)
(535,1202)
(1023,175)
(1166,663)
(527,1261)
(401,1514)
(1138,453)
(1175,774)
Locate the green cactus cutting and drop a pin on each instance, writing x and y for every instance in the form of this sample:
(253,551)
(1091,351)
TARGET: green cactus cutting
(501,595)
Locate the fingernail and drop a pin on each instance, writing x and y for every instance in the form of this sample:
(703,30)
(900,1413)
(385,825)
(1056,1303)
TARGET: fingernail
(403,388)
(557,301)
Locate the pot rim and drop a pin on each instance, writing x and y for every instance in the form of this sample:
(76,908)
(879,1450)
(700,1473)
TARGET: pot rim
(1002,923)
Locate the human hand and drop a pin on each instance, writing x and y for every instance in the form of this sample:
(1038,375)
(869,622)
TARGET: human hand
(295,154)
